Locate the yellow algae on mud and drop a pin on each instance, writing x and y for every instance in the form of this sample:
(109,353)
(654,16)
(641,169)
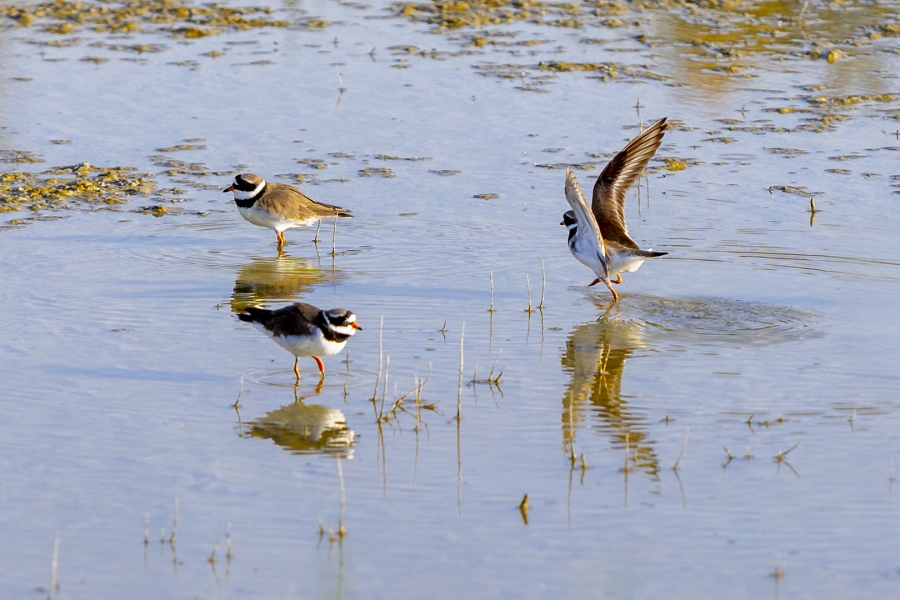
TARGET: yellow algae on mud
(167,16)
(69,187)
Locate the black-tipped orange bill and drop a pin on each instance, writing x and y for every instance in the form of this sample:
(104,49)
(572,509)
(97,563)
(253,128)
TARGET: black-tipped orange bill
(230,188)
(355,325)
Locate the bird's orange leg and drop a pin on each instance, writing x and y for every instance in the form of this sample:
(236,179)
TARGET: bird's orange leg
(615,295)
(297,368)
(320,364)
(594,282)
(618,279)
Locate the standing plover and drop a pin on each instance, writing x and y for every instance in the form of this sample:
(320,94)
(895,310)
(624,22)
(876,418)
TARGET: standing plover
(304,330)
(278,206)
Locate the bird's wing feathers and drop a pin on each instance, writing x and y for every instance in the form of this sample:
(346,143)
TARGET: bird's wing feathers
(292,203)
(587,235)
(617,178)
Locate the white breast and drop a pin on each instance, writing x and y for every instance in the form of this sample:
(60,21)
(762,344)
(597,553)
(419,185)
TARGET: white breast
(257,216)
(313,345)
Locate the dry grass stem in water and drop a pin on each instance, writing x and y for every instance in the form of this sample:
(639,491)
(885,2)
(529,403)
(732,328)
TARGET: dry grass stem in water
(543,285)
(212,555)
(523,508)
(174,524)
(683,446)
(334,238)
(53,564)
(462,333)
(780,456)
(491,309)
(528,287)
(380,359)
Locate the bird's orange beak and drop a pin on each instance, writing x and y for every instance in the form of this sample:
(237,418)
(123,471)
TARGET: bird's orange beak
(355,325)
(230,188)
(561,222)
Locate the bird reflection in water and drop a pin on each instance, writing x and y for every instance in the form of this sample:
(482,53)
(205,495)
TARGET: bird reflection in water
(595,356)
(281,278)
(306,429)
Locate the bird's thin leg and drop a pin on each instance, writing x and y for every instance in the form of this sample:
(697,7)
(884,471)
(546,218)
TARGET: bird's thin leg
(615,295)
(297,368)
(280,240)
(320,364)
(594,282)
(618,279)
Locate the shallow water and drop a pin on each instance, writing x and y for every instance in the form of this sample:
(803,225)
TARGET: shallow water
(762,328)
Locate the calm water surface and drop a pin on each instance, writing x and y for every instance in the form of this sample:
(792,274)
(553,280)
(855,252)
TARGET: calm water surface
(122,357)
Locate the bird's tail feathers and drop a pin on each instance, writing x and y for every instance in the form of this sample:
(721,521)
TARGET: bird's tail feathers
(253,314)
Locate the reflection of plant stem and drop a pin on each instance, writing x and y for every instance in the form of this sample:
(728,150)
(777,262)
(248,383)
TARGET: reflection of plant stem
(681,487)
(341,530)
(174,525)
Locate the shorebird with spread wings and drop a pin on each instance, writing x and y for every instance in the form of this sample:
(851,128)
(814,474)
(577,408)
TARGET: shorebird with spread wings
(598,237)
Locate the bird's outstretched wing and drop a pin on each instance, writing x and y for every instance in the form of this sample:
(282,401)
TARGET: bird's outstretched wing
(608,202)
(588,240)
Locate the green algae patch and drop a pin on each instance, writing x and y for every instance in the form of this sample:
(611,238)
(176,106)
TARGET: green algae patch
(174,18)
(63,188)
